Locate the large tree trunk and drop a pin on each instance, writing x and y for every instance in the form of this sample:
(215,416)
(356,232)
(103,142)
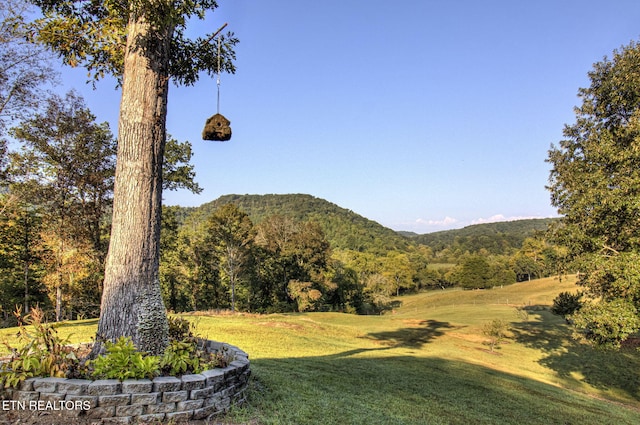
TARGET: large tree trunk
(131,299)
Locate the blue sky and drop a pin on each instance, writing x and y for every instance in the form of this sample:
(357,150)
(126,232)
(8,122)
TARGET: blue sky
(421,115)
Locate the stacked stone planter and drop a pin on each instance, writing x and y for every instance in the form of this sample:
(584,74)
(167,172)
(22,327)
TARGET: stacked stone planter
(164,398)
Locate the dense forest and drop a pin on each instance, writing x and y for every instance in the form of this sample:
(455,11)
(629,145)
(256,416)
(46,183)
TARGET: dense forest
(498,238)
(343,228)
(305,253)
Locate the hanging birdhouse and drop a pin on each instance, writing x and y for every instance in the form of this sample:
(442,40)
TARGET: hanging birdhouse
(217,128)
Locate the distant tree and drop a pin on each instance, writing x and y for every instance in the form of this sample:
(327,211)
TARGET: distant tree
(289,250)
(594,184)
(473,273)
(501,274)
(24,67)
(170,266)
(68,264)
(65,170)
(200,287)
(534,249)
(66,165)
(305,295)
(524,267)
(422,277)
(20,265)
(566,304)
(347,295)
(496,331)
(177,172)
(397,269)
(232,234)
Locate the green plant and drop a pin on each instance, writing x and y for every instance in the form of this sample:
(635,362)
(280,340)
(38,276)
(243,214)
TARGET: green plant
(123,361)
(181,357)
(44,352)
(220,358)
(566,303)
(606,324)
(496,330)
(179,328)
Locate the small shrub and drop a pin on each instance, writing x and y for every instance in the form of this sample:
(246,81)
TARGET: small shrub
(123,361)
(44,352)
(179,328)
(496,330)
(566,303)
(219,358)
(181,357)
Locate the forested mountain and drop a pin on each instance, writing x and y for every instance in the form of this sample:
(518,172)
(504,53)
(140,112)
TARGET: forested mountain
(496,238)
(346,229)
(343,228)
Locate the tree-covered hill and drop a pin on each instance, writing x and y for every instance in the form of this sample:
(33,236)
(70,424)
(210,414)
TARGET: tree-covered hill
(346,229)
(343,228)
(496,238)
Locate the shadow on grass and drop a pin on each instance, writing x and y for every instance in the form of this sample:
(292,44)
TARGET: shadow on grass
(77,324)
(413,337)
(572,360)
(411,390)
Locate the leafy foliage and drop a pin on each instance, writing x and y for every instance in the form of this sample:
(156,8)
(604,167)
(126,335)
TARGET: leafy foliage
(43,354)
(594,182)
(179,328)
(473,273)
(231,235)
(67,166)
(566,304)
(24,68)
(93,35)
(607,323)
(496,331)
(177,172)
(123,361)
(21,268)
(179,357)
(184,354)
(64,172)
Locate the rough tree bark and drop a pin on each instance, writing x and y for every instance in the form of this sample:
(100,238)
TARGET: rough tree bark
(131,301)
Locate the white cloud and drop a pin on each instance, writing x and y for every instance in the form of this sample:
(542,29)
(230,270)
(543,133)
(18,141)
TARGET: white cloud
(499,217)
(422,225)
(447,221)
(492,219)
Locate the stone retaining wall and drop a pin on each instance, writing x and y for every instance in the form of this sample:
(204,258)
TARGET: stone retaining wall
(141,400)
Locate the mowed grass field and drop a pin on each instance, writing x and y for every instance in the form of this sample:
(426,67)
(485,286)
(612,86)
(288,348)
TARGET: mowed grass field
(425,363)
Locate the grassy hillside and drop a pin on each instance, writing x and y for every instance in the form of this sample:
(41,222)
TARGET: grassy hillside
(426,363)
(343,228)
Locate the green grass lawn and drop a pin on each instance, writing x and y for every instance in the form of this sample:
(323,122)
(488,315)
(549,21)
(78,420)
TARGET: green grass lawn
(426,363)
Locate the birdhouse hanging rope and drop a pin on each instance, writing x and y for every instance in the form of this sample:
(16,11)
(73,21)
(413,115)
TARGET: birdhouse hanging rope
(217,127)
